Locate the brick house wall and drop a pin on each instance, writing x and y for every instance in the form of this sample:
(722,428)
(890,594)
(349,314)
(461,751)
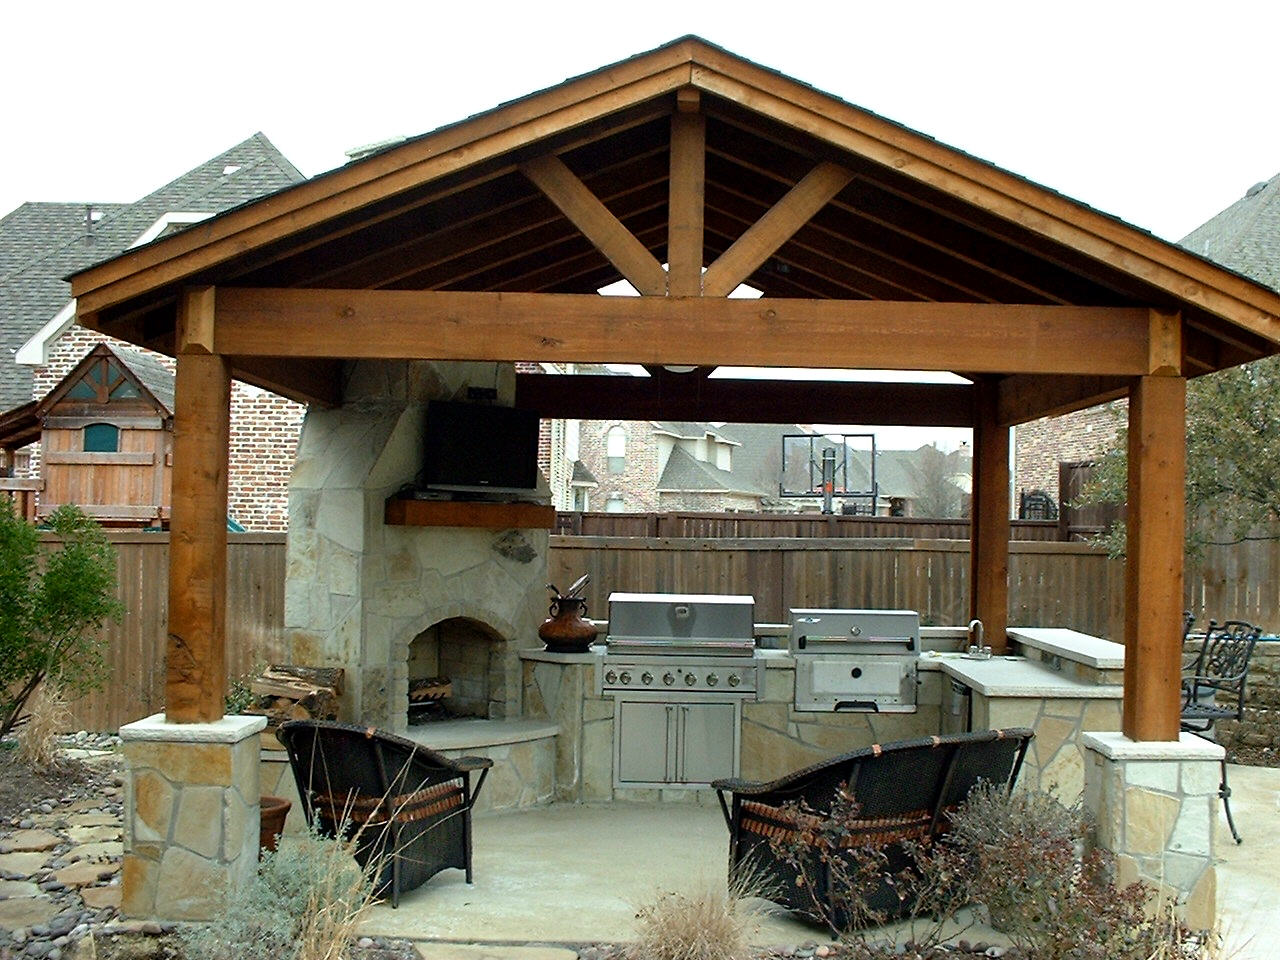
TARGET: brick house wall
(264,435)
(1039,446)
(637,485)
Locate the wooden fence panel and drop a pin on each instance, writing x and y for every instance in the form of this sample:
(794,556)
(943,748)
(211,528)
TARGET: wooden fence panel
(721,526)
(134,649)
(1051,584)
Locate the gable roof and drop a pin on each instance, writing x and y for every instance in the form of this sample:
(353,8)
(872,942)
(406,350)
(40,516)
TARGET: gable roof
(34,229)
(684,472)
(1246,235)
(22,425)
(55,241)
(918,221)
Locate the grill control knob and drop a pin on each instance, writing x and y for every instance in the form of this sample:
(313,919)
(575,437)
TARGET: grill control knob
(668,678)
(712,679)
(690,679)
(734,679)
(646,677)
(626,676)
(610,677)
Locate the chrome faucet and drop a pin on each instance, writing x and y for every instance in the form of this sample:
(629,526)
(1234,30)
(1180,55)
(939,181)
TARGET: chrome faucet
(975,636)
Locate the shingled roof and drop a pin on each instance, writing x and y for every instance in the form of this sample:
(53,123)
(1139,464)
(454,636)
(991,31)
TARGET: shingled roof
(1246,235)
(41,243)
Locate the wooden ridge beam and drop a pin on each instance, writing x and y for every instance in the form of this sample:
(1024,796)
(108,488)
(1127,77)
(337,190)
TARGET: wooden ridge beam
(771,231)
(690,397)
(696,331)
(597,223)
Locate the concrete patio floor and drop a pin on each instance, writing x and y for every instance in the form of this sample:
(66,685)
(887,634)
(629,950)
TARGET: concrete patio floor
(572,874)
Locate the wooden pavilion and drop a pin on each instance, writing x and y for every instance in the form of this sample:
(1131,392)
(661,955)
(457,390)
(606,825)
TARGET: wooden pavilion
(875,247)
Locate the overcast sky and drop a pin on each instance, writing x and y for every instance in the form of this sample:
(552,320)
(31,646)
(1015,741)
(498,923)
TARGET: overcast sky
(1160,113)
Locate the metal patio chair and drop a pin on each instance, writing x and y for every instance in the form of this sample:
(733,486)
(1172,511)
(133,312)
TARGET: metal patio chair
(407,808)
(1215,688)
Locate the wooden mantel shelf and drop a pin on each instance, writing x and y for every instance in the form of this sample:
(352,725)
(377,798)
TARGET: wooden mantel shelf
(469,513)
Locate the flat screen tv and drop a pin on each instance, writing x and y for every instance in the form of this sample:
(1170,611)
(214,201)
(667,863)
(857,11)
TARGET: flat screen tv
(472,447)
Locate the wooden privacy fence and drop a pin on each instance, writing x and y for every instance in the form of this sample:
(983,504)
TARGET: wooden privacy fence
(716,525)
(135,647)
(1051,584)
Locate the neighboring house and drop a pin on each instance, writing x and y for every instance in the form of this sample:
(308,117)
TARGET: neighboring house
(40,243)
(659,466)
(1244,237)
(106,432)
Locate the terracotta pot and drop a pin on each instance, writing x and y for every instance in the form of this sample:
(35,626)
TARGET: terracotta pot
(565,631)
(273,813)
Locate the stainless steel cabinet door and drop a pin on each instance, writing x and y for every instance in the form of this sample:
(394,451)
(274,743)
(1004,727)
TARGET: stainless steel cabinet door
(707,735)
(646,742)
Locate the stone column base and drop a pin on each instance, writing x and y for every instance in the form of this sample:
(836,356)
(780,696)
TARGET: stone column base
(1156,808)
(191,815)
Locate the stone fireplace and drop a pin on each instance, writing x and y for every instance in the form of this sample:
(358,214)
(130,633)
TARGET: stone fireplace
(373,598)
(471,656)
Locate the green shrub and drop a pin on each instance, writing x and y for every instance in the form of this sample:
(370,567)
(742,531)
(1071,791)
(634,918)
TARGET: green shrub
(304,904)
(52,606)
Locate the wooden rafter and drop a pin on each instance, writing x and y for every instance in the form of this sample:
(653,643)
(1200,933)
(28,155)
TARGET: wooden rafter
(447,325)
(772,230)
(597,223)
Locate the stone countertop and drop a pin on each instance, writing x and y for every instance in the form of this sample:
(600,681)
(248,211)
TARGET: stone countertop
(1072,645)
(468,733)
(546,656)
(1018,677)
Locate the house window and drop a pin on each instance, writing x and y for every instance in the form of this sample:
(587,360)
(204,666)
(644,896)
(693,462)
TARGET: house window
(101,438)
(613,504)
(616,449)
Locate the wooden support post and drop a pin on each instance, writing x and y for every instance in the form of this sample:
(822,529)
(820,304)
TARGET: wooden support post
(686,199)
(989,523)
(195,681)
(1153,566)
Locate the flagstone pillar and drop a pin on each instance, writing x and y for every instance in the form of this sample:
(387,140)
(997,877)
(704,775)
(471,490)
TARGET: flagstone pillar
(191,824)
(1155,807)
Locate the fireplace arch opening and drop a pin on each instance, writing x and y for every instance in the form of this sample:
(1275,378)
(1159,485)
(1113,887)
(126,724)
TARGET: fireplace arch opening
(469,654)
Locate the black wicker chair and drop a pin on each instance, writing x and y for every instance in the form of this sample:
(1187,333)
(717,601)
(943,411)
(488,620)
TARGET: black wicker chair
(407,807)
(903,790)
(1220,668)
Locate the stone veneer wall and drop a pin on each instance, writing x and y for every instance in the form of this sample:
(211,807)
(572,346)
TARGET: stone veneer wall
(1156,810)
(1055,761)
(776,738)
(358,591)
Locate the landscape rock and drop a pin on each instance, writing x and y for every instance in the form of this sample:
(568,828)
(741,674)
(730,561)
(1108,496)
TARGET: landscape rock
(28,841)
(86,872)
(26,912)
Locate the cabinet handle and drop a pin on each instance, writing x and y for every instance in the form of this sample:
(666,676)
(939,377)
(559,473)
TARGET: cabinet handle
(669,760)
(683,742)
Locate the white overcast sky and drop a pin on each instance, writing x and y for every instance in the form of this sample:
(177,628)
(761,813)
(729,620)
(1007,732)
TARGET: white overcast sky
(1162,113)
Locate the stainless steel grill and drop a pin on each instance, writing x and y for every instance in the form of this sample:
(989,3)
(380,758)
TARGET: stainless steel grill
(855,660)
(679,644)
(678,668)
